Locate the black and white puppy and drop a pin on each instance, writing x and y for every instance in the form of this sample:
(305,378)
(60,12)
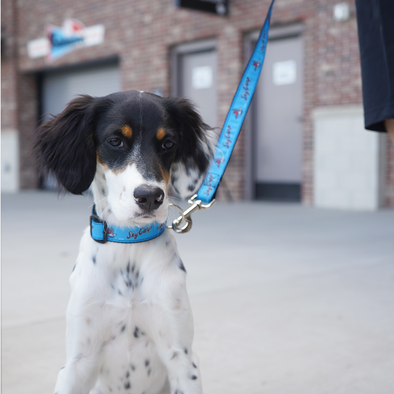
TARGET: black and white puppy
(129,323)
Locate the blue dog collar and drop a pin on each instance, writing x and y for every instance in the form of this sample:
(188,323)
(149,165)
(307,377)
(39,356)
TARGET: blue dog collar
(102,233)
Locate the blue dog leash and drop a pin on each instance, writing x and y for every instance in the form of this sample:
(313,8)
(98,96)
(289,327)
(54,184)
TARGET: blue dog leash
(235,116)
(205,196)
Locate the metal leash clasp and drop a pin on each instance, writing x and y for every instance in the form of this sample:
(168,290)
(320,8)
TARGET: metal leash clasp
(186,215)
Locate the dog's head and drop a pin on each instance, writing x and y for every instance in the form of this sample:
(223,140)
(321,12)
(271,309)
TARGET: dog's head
(135,148)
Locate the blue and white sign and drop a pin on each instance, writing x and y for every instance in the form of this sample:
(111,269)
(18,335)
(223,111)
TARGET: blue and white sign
(61,40)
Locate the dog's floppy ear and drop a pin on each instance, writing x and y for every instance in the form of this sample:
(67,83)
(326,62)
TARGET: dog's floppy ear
(65,147)
(195,149)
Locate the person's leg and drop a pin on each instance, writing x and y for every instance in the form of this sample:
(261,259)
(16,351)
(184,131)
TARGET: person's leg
(390,128)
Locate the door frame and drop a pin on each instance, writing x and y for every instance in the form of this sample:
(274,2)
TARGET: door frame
(182,49)
(275,33)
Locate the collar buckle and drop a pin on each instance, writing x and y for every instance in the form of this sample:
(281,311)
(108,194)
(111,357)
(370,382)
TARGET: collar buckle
(98,228)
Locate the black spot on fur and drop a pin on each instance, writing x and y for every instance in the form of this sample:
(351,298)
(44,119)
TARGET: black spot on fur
(136,333)
(128,283)
(127,374)
(94,259)
(149,371)
(147,362)
(191,188)
(174,355)
(185,350)
(103,191)
(181,266)
(193,377)
(133,367)
(123,328)
(128,267)
(127,385)
(194,365)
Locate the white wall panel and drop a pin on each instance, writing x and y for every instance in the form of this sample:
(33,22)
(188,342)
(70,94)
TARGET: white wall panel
(348,163)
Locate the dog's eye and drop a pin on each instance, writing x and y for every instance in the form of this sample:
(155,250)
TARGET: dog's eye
(166,145)
(116,142)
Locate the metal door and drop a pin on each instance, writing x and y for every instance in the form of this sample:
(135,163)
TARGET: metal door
(278,122)
(198,78)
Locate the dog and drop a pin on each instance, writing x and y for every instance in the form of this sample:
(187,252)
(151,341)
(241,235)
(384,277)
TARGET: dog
(129,322)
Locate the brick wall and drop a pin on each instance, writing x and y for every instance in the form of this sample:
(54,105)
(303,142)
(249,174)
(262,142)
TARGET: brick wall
(8,67)
(142,32)
(28,122)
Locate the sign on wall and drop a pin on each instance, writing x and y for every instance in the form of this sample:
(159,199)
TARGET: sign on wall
(219,7)
(202,77)
(284,73)
(61,40)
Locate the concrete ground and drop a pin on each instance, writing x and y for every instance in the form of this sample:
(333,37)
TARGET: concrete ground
(286,299)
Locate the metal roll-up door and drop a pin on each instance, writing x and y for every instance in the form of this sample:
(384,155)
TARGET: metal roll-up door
(60,87)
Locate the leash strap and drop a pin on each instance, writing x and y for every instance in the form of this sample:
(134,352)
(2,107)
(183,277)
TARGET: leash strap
(235,116)
(102,233)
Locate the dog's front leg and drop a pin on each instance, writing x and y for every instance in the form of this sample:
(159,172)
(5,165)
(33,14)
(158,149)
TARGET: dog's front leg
(86,336)
(175,349)
(172,331)
(80,373)
(77,377)
(183,371)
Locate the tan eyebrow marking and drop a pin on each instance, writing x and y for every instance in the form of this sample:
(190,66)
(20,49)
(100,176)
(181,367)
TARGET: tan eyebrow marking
(126,131)
(160,134)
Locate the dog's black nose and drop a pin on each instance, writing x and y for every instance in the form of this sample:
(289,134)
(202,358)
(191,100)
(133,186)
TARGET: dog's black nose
(149,198)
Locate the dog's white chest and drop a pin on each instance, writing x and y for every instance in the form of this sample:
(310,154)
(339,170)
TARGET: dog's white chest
(121,297)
